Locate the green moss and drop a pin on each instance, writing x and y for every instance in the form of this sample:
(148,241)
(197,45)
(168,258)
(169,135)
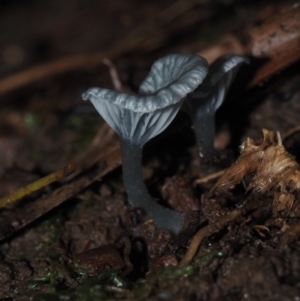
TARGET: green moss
(170,274)
(89,291)
(51,277)
(32,122)
(110,277)
(95,288)
(106,286)
(46,283)
(206,258)
(52,229)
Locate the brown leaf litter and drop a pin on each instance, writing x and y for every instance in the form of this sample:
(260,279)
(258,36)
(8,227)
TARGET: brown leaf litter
(272,167)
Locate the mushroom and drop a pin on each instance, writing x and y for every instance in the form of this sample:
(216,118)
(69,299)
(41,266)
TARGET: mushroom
(138,118)
(203,102)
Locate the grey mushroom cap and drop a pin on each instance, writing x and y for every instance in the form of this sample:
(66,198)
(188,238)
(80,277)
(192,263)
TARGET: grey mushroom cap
(213,90)
(181,73)
(141,117)
(225,64)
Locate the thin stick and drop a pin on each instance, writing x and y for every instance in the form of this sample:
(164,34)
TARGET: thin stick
(210,177)
(279,139)
(48,69)
(24,191)
(291,132)
(113,74)
(110,160)
(219,224)
(207,231)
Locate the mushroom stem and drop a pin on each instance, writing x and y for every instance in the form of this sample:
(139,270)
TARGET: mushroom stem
(138,194)
(204,127)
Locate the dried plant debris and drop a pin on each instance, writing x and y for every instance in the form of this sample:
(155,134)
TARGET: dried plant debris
(273,169)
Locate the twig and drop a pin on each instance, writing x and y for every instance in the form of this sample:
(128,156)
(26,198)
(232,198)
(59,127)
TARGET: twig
(210,177)
(291,132)
(219,224)
(48,69)
(37,185)
(113,74)
(207,231)
(111,158)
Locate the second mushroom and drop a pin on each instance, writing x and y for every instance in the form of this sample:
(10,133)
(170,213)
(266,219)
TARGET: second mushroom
(204,101)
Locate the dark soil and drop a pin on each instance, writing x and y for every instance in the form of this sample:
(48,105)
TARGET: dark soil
(45,124)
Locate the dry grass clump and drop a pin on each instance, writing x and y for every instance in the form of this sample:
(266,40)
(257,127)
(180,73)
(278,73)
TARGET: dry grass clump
(271,166)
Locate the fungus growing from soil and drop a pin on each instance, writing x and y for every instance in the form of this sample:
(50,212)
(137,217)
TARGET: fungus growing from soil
(138,118)
(203,102)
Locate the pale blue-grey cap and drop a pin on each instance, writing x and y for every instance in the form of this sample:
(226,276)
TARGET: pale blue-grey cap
(170,79)
(228,63)
(212,91)
(142,117)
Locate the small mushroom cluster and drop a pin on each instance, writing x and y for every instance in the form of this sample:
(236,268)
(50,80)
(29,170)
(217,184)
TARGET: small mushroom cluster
(173,80)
